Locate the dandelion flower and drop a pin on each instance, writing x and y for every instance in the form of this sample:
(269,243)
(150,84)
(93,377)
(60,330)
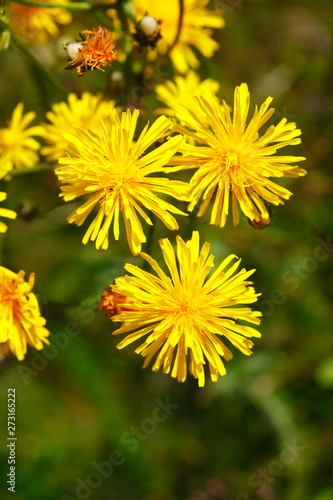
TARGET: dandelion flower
(234,161)
(97,50)
(20,319)
(195,30)
(181,91)
(116,171)
(5,212)
(17,147)
(183,316)
(37,24)
(83,112)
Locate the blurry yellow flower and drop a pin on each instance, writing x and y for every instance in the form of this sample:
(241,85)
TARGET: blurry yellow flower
(115,171)
(20,319)
(17,147)
(36,24)
(181,91)
(83,112)
(195,29)
(5,212)
(235,161)
(185,314)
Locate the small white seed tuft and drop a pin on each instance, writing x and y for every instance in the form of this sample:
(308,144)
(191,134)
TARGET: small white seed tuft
(148,25)
(73,49)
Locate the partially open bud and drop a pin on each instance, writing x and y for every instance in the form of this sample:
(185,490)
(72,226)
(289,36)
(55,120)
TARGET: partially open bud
(113,303)
(148,31)
(149,26)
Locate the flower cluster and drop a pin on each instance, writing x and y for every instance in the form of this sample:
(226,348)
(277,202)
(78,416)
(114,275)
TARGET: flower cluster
(123,176)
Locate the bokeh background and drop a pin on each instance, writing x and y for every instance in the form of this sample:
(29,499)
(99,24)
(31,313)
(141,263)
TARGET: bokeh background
(265,430)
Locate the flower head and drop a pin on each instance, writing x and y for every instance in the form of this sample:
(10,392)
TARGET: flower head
(113,303)
(20,319)
(5,212)
(195,29)
(184,315)
(116,172)
(181,91)
(36,24)
(97,50)
(17,147)
(83,112)
(234,161)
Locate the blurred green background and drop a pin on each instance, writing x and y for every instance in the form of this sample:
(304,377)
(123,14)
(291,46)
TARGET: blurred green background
(265,430)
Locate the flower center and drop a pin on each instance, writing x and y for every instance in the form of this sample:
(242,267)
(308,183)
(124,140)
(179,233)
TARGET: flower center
(8,139)
(231,168)
(232,161)
(10,299)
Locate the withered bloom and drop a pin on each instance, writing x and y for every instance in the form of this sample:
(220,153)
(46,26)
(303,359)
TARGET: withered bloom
(113,303)
(96,49)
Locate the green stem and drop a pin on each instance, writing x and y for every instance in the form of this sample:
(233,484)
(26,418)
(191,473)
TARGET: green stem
(27,170)
(73,6)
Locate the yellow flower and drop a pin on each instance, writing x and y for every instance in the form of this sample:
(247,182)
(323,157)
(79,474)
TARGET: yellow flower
(234,161)
(195,29)
(17,147)
(115,171)
(5,212)
(83,112)
(36,24)
(181,91)
(20,319)
(185,314)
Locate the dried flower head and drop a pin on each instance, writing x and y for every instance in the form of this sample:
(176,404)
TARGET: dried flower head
(113,303)
(96,50)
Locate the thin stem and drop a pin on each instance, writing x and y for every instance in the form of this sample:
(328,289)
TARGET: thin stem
(73,6)
(28,170)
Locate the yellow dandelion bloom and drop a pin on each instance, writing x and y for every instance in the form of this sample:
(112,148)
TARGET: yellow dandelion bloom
(83,112)
(185,314)
(234,161)
(181,91)
(17,147)
(20,320)
(5,212)
(196,31)
(37,24)
(116,171)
